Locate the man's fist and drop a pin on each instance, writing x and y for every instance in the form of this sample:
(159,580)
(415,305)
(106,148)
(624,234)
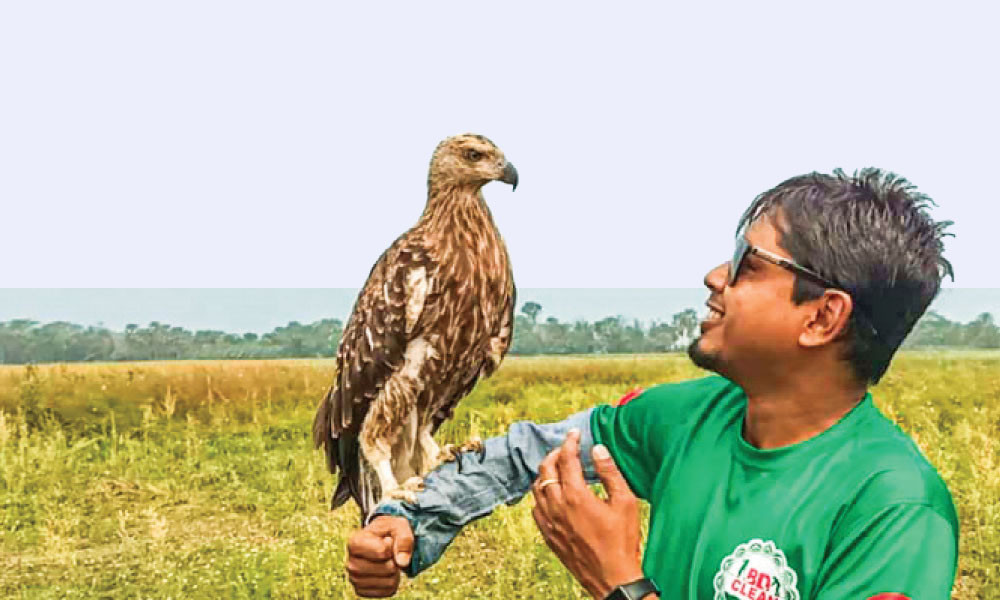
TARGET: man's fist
(376,554)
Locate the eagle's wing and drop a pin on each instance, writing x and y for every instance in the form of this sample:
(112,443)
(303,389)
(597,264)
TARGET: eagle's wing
(503,332)
(371,349)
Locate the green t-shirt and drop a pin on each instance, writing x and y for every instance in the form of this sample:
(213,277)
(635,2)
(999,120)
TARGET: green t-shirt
(851,513)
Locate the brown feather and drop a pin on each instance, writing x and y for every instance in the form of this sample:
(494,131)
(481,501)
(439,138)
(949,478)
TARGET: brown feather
(466,317)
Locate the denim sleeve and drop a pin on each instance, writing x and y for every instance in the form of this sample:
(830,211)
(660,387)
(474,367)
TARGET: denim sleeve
(460,492)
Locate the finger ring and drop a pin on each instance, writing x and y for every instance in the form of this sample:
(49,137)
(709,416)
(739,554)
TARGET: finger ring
(542,484)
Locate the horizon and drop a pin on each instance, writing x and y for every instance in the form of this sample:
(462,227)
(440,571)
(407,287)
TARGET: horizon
(260,310)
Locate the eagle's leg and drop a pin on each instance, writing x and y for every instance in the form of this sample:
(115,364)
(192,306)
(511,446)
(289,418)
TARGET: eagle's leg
(380,431)
(390,427)
(407,451)
(407,491)
(430,452)
(378,453)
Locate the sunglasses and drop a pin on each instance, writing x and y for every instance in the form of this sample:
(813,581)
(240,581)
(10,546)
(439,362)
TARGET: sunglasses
(745,248)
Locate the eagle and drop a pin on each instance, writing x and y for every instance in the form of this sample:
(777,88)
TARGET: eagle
(435,316)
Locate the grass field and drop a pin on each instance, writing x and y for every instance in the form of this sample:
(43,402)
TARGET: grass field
(197,479)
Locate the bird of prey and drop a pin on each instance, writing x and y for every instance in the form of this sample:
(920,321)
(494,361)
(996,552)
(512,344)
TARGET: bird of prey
(435,316)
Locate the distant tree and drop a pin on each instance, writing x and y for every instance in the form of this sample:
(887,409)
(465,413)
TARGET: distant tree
(526,339)
(554,336)
(531,309)
(685,324)
(982,332)
(609,335)
(661,337)
(26,341)
(931,330)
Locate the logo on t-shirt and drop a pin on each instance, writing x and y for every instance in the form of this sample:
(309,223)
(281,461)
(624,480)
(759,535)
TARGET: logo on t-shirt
(756,570)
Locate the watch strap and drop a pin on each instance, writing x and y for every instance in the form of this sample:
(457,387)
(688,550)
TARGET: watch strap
(634,591)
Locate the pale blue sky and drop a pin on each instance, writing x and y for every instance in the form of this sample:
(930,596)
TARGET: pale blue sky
(285,144)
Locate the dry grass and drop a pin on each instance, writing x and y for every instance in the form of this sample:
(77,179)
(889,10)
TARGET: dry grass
(197,479)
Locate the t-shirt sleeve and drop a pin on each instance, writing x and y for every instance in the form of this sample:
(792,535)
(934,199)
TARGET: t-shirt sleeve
(905,551)
(623,430)
(639,429)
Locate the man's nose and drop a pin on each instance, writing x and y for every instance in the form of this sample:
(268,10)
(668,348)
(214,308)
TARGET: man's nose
(715,279)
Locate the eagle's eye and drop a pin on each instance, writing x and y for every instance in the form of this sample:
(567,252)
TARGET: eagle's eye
(473,155)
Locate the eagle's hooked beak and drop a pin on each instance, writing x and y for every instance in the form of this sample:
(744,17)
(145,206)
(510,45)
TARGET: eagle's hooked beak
(510,175)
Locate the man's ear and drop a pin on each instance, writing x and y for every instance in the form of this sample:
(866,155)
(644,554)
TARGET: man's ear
(828,318)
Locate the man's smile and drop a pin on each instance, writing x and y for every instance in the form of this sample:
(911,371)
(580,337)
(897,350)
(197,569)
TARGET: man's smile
(715,314)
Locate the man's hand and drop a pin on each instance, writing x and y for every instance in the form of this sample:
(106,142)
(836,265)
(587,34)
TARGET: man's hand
(376,554)
(598,541)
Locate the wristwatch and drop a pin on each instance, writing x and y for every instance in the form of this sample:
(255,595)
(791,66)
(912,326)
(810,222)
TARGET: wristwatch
(634,591)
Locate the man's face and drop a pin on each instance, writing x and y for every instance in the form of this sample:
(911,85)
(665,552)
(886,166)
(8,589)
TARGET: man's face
(752,327)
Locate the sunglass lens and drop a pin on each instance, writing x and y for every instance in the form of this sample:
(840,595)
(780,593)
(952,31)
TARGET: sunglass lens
(738,255)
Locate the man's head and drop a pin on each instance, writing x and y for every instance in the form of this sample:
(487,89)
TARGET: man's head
(844,267)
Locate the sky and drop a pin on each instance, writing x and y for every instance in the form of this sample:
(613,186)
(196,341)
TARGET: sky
(284,145)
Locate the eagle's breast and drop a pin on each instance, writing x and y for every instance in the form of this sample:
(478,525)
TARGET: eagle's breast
(467,294)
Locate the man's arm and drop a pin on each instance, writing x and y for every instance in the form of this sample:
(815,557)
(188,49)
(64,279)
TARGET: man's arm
(460,492)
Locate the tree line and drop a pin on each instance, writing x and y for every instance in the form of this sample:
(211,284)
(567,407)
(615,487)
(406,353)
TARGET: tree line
(26,341)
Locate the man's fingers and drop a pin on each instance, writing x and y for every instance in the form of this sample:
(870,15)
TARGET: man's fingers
(379,589)
(542,521)
(368,580)
(611,477)
(373,592)
(375,555)
(359,567)
(370,546)
(399,531)
(373,586)
(548,485)
(373,580)
(568,464)
(402,543)
(386,525)
(550,533)
(547,468)
(539,516)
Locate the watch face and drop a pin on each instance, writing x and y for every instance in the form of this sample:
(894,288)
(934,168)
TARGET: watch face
(634,591)
(617,594)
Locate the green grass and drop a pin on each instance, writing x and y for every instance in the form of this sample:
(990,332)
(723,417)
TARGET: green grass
(197,479)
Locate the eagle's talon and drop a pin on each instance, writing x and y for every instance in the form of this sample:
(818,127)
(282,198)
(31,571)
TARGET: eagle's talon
(413,484)
(449,453)
(475,444)
(403,494)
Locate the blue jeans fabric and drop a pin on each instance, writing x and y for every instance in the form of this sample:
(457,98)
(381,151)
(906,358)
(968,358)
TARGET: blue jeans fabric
(460,492)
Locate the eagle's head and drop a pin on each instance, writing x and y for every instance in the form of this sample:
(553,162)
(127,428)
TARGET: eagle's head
(470,160)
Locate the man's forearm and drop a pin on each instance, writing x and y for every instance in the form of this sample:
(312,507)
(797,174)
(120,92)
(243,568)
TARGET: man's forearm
(460,492)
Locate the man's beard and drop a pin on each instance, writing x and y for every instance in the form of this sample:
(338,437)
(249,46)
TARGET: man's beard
(706,360)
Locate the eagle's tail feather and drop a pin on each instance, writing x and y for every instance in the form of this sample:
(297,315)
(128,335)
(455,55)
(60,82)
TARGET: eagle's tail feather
(355,480)
(322,433)
(368,494)
(342,494)
(343,453)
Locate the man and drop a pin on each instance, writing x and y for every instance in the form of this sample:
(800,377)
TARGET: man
(777,478)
